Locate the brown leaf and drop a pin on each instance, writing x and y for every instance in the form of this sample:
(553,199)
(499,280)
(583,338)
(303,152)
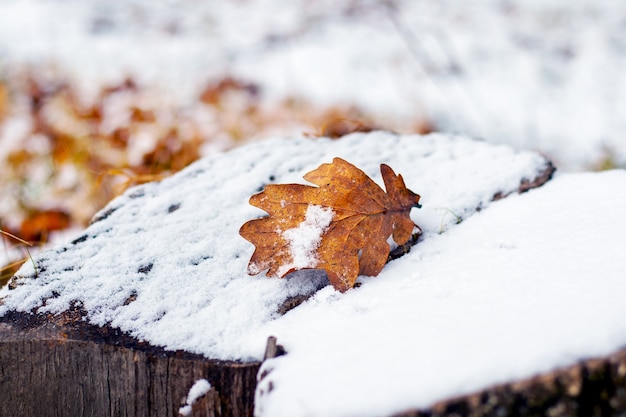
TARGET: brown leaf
(341,226)
(340,126)
(37,226)
(4,101)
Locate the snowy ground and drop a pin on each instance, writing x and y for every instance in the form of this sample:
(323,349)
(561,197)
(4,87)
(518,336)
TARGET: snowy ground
(529,283)
(543,75)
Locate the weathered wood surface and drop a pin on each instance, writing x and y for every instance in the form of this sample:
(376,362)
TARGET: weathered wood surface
(52,368)
(591,388)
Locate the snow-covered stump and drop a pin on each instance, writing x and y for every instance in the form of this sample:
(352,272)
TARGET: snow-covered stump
(154,295)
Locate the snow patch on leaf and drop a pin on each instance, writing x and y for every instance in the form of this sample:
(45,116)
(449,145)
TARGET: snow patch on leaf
(306,238)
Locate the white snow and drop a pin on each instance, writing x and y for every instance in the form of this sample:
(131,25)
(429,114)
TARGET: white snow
(306,237)
(534,282)
(175,245)
(197,390)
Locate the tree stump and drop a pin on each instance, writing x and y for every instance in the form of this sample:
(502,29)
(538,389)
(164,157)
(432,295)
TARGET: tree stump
(60,366)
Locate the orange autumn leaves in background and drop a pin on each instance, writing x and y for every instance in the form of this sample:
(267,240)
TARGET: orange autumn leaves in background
(65,154)
(75,152)
(341,226)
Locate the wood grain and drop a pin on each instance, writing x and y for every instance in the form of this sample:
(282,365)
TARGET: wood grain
(52,369)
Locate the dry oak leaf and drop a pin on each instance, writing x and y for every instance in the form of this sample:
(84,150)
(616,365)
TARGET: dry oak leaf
(341,226)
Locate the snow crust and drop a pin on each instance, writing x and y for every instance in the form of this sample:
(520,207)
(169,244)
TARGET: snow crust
(197,390)
(174,246)
(306,238)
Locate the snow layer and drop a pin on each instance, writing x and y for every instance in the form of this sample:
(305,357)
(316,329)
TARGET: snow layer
(534,282)
(306,237)
(174,246)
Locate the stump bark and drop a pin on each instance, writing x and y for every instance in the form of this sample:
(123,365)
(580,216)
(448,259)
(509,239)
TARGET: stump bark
(56,367)
(590,388)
